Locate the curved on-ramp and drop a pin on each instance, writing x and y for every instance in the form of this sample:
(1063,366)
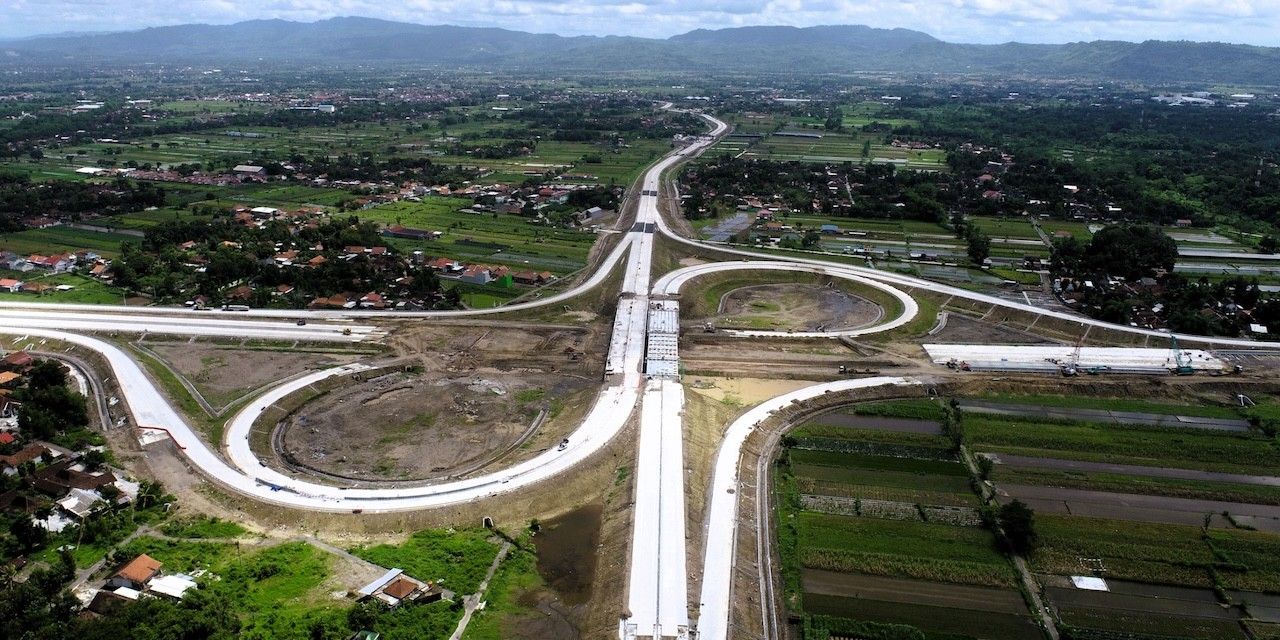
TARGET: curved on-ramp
(671,283)
(721,535)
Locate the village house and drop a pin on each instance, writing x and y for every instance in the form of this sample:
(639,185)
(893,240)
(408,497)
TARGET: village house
(19,361)
(396,587)
(476,275)
(9,463)
(10,285)
(135,573)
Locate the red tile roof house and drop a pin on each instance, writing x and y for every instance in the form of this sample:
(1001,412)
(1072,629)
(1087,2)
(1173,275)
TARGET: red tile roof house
(11,285)
(476,275)
(135,573)
(17,361)
(9,464)
(443,264)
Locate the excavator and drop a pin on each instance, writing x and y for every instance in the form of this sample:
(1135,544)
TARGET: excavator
(1181,362)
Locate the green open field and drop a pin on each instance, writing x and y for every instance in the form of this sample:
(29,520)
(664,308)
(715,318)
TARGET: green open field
(914,520)
(283,591)
(460,558)
(143,220)
(485,238)
(63,239)
(842,147)
(904,549)
(997,228)
(86,290)
(941,623)
(1116,404)
(1158,553)
(1127,444)
(1122,483)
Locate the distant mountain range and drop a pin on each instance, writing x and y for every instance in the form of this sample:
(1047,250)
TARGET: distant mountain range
(826,49)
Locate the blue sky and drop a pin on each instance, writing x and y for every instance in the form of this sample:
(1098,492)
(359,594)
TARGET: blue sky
(983,21)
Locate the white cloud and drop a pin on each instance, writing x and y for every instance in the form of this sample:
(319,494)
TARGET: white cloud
(1251,21)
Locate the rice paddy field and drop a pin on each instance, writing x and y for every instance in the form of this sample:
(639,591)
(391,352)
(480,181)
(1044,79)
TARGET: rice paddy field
(871,503)
(879,526)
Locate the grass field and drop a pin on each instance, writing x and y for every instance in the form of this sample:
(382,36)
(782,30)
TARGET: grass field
(834,147)
(1120,483)
(1161,624)
(485,238)
(1019,228)
(143,220)
(460,559)
(1116,404)
(62,239)
(1128,444)
(903,549)
(1158,553)
(954,622)
(86,290)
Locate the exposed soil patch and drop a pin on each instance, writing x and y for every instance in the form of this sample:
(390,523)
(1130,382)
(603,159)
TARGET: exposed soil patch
(742,392)
(794,307)
(1139,508)
(406,426)
(962,329)
(913,591)
(223,374)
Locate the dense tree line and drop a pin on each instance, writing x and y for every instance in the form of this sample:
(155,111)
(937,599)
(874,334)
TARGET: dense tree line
(157,267)
(49,407)
(22,198)
(1158,164)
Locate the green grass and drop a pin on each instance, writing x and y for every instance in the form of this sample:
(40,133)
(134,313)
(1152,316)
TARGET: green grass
(955,623)
(143,220)
(460,559)
(486,238)
(85,290)
(205,527)
(918,409)
(1115,404)
(1128,444)
(816,429)
(516,576)
(1005,227)
(1120,483)
(902,549)
(62,239)
(1142,552)
(276,591)
(857,461)
(181,556)
(1158,624)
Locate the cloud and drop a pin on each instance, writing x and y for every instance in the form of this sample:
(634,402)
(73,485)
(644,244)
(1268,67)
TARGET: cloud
(1249,21)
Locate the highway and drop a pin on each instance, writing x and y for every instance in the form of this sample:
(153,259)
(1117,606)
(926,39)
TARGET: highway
(721,534)
(657,586)
(205,324)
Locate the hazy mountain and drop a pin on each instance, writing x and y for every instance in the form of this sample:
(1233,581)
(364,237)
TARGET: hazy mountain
(826,49)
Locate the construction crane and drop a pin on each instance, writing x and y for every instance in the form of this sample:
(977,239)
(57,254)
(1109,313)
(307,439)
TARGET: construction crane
(1181,362)
(1072,366)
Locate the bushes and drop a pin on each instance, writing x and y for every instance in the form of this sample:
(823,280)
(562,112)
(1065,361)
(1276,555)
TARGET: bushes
(461,559)
(821,628)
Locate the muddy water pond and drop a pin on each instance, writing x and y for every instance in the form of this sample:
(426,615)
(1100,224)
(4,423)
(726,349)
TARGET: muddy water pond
(567,552)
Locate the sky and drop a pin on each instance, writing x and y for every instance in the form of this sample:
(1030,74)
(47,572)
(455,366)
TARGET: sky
(977,21)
